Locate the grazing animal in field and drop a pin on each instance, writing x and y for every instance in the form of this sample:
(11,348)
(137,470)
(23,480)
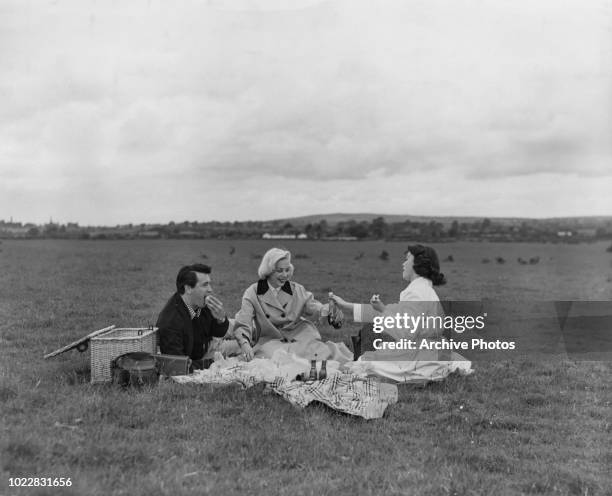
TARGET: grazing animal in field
(500,260)
(521,261)
(485,260)
(450,258)
(384,255)
(232,250)
(360,256)
(534,260)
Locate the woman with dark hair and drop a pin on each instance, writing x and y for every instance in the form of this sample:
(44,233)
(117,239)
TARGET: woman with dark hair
(424,263)
(417,318)
(421,269)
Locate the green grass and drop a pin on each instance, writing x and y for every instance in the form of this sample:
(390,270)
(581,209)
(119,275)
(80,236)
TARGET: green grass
(527,426)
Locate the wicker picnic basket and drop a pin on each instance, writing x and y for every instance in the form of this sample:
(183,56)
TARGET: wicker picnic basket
(109,345)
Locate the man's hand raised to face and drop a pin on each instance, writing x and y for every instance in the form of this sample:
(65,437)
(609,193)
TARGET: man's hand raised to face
(216,308)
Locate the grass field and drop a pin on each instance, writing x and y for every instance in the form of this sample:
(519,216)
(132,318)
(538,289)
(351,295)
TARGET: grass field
(526,426)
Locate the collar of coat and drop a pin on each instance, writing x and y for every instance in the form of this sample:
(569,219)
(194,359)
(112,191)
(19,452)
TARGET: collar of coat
(263,286)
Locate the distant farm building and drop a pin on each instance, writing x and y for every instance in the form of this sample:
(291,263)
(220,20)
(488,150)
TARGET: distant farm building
(284,236)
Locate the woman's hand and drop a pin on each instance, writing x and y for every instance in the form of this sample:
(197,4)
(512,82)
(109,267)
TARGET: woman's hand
(324,310)
(247,351)
(378,305)
(342,304)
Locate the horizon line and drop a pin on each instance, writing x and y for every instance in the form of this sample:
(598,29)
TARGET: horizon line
(490,217)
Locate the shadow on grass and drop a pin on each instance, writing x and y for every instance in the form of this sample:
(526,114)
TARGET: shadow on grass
(321,408)
(75,376)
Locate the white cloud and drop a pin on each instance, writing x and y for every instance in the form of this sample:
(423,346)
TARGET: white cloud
(333,105)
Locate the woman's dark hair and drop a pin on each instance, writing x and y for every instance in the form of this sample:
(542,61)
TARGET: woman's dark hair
(426,264)
(187,276)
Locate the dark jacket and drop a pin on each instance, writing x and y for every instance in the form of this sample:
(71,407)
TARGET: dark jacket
(180,335)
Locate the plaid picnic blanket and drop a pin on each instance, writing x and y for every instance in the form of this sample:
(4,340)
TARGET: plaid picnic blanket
(344,392)
(367,398)
(234,372)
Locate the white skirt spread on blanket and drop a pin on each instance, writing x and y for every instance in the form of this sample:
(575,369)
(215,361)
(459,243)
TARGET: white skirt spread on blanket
(409,371)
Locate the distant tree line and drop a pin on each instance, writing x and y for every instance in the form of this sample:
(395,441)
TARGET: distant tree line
(378,228)
(484,229)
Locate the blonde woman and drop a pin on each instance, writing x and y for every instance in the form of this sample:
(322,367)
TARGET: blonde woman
(278,313)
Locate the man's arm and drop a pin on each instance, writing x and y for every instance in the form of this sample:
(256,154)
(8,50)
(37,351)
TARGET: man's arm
(218,329)
(171,341)
(218,321)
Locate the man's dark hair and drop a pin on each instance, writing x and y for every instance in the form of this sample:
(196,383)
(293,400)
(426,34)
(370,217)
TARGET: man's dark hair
(187,276)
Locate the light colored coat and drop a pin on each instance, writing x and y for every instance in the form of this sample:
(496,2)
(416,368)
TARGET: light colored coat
(285,321)
(288,316)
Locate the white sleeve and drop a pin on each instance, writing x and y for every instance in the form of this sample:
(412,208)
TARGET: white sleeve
(357,312)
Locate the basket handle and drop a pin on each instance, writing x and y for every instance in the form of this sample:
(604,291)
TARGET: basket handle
(149,328)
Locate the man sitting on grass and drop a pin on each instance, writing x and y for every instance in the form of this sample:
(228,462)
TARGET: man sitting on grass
(192,316)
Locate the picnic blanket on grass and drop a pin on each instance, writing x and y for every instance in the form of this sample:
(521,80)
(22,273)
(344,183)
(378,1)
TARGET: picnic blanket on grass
(344,392)
(367,398)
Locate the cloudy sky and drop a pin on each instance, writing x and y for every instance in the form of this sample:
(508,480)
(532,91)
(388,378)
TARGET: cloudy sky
(150,111)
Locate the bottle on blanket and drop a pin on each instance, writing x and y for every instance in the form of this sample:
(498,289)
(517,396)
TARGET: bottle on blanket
(313,375)
(323,371)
